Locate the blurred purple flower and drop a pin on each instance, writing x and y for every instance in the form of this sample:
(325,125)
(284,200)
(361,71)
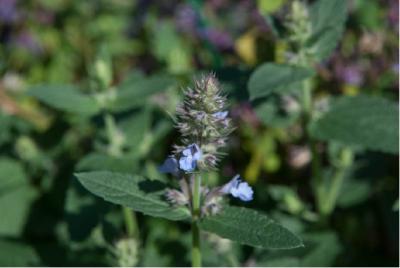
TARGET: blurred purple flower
(393,13)
(186,19)
(8,11)
(220,39)
(349,74)
(395,67)
(26,40)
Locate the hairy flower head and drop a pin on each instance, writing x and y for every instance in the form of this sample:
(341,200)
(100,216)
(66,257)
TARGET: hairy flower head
(203,120)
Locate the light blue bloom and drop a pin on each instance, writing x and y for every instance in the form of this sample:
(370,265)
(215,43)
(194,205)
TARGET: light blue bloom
(189,158)
(170,165)
(220,115)
(238,189)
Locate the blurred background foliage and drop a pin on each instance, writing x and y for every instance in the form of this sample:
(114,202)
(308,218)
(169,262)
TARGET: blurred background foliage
(155,48)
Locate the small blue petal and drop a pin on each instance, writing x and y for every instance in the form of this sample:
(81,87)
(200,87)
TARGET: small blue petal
(238,189)
(243,192)
(226,189)
(220,115)
(191,155)
(170,165)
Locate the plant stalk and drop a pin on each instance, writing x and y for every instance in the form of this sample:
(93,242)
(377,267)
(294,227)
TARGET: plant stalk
(130,221)
(337,181)
(196,252)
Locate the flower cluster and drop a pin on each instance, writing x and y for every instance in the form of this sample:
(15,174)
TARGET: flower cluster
(299,32)
(204,124)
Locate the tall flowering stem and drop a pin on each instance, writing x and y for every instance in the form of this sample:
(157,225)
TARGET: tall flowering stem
(204,126)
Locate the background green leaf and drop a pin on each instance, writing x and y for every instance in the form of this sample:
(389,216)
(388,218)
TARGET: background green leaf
(270,77)
(13,253)
(369,122)
(249,227)
(16,196)
(328,19)
(66,98)
(133,191)
(134,91)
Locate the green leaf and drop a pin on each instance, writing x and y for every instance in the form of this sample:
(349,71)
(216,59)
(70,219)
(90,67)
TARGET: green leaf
(270,78)
(369,122)
(15,206)
(16,197)
(12,174)
(272,113)
(83,211)
(354,192)
(134,91)
(133,191)
(13,253)
(324,247)
(268,7)
(328,19)
(99,161)
(136,128)
(249,227)
(66,98)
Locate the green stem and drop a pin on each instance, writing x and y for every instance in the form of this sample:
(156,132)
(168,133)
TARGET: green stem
(317,182)
(337,181)
(196,252)
(130,221)
(232,260)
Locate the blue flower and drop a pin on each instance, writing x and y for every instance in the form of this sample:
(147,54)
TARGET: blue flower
(238,189)
(170,165)
(190,156)
(220,115)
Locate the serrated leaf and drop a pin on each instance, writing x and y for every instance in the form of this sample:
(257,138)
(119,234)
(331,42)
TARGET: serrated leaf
(66,98)
(369,122)
(328,19)
(270,78)
(250,227)
(132,191)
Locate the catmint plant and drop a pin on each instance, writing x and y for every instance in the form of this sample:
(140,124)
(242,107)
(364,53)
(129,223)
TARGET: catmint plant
(203,121)
(204,125)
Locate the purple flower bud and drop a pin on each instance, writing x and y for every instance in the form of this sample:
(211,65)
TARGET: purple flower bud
(190,156)
(238,189)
